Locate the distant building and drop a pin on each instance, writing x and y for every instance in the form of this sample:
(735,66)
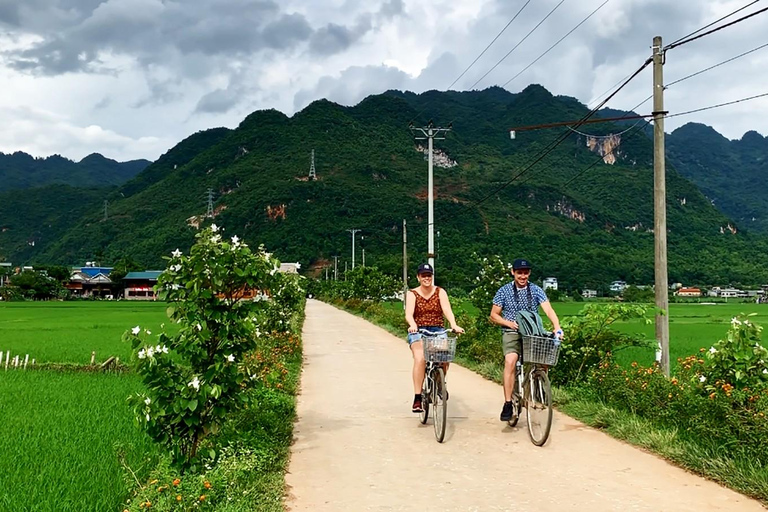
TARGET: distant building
(588,293)
(550,283)
(90,281)
(5,268)
(729,293)
(618,286)
(140,285)
(290,268)
(688,292)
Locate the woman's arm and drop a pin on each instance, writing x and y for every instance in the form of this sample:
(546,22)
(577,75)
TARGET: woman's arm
(445,304)
(410,307)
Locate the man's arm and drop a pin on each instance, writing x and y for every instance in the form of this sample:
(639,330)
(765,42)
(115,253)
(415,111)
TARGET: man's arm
(547,307)
(500,320)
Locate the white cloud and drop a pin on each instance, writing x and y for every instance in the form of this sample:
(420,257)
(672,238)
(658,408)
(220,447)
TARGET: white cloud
(131,78)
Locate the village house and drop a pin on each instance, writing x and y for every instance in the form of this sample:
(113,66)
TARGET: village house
(90,281)
(140,285)
(688,292)
(550,283)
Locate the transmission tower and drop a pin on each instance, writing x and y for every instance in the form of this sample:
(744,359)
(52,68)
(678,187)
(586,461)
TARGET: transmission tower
(312,173)
(209,213)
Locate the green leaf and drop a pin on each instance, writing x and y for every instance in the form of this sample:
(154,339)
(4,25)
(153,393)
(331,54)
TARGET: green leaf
(192,405)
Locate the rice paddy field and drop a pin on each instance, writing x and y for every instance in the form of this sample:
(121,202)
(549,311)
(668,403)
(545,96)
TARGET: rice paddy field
(66,438)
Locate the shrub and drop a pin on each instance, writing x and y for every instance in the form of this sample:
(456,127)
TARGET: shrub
(739,358)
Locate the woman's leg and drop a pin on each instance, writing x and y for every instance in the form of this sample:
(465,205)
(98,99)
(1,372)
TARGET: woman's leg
(418,366)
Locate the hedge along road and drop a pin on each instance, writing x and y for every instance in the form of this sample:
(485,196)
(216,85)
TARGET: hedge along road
(359,447)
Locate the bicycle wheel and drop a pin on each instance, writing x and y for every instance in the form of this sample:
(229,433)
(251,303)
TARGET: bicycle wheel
(439,403)
(424,414)
(539,407)
(516,411)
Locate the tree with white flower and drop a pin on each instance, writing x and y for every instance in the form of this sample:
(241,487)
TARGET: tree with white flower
(739,358)
(194,378)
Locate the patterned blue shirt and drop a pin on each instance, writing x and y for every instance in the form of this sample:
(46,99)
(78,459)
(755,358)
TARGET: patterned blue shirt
(510,307)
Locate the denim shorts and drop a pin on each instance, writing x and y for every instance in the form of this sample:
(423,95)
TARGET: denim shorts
(416,336)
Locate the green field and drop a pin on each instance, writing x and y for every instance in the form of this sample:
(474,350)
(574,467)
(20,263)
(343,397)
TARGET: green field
(67,332)
(691,326)
(61,438)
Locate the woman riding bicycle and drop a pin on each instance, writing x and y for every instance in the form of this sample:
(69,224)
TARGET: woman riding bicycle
(425,308)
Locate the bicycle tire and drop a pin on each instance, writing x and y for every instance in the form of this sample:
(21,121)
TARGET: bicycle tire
(517,410)
(538,393)
(440,403)
(424,414)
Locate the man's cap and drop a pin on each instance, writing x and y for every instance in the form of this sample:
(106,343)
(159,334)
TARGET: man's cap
(425,268)
(521,263)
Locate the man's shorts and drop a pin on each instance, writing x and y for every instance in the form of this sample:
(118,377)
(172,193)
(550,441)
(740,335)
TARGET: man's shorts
(511,341)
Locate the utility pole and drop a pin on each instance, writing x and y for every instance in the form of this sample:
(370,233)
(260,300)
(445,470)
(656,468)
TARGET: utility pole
(326,272)
(353,231)
(362,247)
(345,270)
(335,268)
(405,262)
(312,173)
(660,209)
(209,212)
(430,132)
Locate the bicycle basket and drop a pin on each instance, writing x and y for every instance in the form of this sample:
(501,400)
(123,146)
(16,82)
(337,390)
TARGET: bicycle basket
(541,350)
(439,348)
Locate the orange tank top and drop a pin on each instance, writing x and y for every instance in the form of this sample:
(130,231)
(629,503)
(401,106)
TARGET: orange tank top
(428,312)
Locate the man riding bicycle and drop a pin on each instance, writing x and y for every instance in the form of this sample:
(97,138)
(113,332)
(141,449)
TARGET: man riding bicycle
(510,299)
(425,307)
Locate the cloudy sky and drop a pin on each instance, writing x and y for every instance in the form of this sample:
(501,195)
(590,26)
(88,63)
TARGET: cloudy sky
(130,78)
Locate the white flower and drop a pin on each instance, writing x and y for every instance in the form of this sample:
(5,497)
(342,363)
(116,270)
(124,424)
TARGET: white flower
(148,332)
(231,358)
(702,378)
(214,228)
(147,416)
(164,350)
(253,376)
(142,354)
(150,351)
(272,272)
(195,383)
(258,333)
(175,286)
(135,330)
(176,267)
(158,349)
(298,265)
(147,401)
(216,239)
(712,350)
(735,321)
(199,327)
(765,371)
(176,253)
(235,240)
(746,322)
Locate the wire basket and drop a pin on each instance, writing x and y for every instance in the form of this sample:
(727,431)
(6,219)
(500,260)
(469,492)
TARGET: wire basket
(541,350)
(439,348)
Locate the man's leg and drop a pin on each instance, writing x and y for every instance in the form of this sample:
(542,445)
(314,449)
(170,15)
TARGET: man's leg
(510,361)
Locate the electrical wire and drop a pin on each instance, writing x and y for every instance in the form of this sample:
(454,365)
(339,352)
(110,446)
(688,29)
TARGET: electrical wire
(709,32)
(716,65)
(715,22)
(554,45)
(517,45)
(718,105)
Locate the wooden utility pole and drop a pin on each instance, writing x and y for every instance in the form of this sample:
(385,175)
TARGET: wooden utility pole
(660,209)
(405,262)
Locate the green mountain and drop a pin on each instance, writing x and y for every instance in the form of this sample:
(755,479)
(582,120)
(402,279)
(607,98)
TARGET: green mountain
(732,173)
(21,171)
(578,218)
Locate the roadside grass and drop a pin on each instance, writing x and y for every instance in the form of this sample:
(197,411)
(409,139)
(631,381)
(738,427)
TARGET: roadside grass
(67,332)
(62,438)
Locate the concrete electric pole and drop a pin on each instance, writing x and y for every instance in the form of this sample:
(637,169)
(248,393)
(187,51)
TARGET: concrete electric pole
(430,133)
(660,209)
(353,231)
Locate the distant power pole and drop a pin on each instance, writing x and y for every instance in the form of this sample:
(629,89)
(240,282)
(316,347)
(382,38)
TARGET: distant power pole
(430,132)
(106,203)
(335,268)
(660,209)
(326,273)
(209,212)
(405,262)
(362,247)
(345,270)
(353,231)
(312,173)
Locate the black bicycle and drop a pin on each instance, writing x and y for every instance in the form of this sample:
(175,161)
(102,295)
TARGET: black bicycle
(439,349)
(532,388)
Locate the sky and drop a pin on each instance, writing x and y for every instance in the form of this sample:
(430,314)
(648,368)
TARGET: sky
(131,78)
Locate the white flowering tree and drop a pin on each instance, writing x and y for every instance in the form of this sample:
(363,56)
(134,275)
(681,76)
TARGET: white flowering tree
(739,359)
(195,378)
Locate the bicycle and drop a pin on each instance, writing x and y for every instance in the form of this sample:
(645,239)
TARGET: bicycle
(439,349)
(532,387)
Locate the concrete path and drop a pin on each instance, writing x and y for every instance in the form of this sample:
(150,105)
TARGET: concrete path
(358,446)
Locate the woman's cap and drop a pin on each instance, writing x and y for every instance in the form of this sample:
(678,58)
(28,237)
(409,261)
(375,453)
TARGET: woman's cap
(425,268)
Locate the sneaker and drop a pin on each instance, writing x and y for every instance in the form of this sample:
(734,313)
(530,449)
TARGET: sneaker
(417,405)
(506,412)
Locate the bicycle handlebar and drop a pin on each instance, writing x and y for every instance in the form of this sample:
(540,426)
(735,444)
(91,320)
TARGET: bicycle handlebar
(433,333)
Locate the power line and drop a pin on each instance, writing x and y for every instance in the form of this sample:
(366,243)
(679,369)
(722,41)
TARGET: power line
(714,22)
(489,44)
(718,105)
(716,65)
(557,43)
(517,45)
(694,38)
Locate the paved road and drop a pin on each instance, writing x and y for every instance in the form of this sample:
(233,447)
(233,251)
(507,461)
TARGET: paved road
(359,448)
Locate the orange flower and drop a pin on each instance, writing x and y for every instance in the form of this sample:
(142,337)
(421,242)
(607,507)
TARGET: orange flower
(202,497)
(711,396)
(207,484)
(178,497)
(176,482)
